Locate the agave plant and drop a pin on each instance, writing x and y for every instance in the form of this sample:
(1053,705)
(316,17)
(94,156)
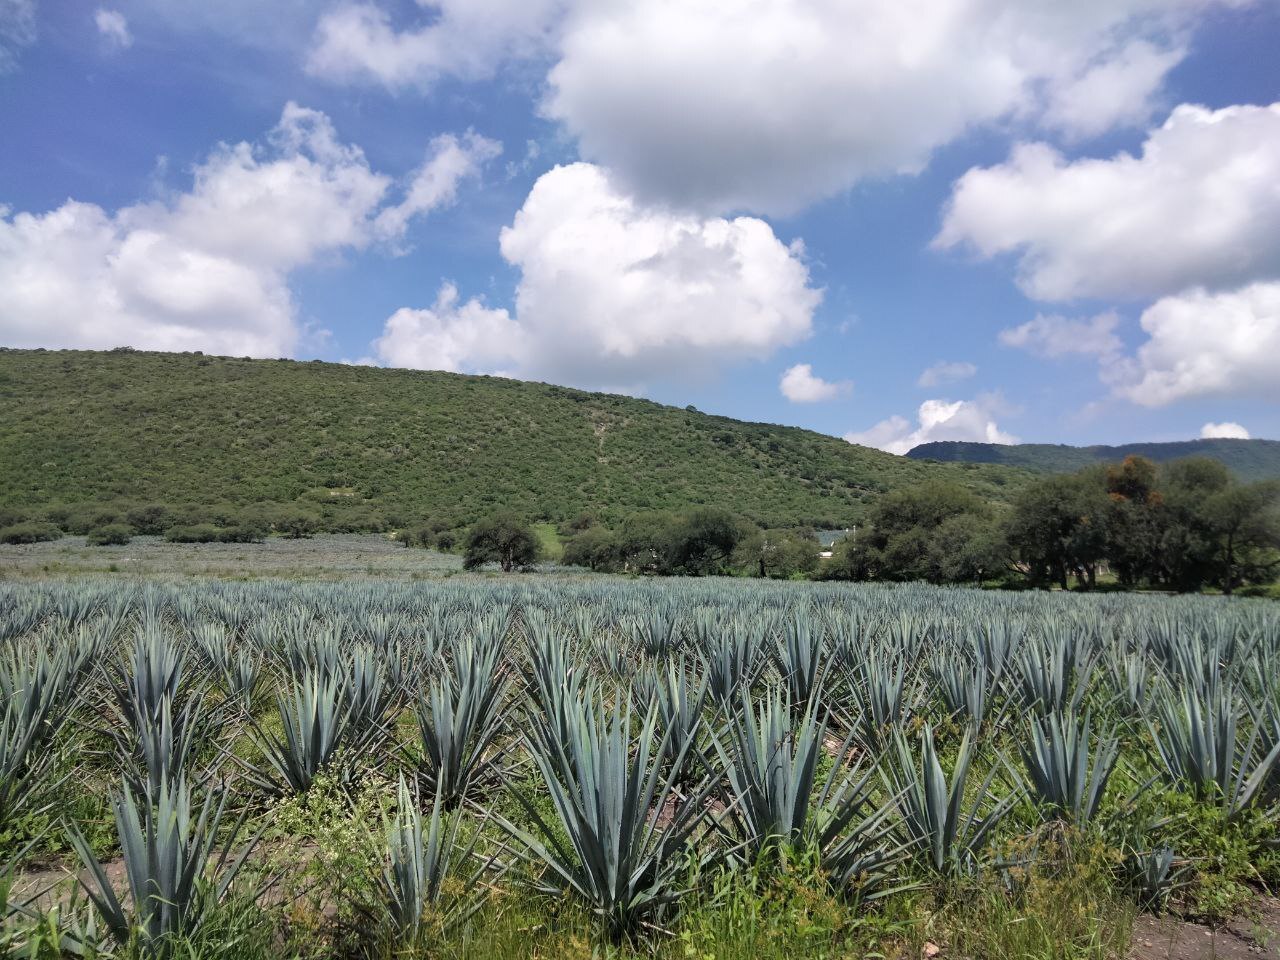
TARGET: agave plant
(411,890)
(1203,749)
(178,868)
(459,718)
(368,693)
(313,715)
(680,700)
(1152,877)
(34,691)
(1067,782)
(151,675)
(965,686)
(160,748)
(881,689)
(801,658)
(946,832)
(1048,678)
(619,829)
(770,767)
(732,659)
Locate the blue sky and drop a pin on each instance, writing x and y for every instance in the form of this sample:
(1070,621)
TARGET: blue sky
(891,220)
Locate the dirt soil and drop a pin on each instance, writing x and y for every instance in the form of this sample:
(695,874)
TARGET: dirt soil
(1254,936)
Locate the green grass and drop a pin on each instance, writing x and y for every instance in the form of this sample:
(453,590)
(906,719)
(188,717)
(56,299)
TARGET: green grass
(365,446)
(549,540)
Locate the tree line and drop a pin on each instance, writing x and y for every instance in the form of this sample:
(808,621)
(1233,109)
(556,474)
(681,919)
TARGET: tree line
(1183,526)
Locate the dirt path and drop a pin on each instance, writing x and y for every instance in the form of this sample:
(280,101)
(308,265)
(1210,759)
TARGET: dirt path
(1254,936)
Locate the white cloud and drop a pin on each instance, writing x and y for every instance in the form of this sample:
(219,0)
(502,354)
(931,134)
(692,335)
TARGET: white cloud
(17,31)
(1205,344)
(459,337)
(613,293)
(1228,430)
(944,372)
(1117,92)
(450,161)
(937,420)
(1055,336)
(202,270)
(465,38)
(781,102)
(114,28)
(799,385)
(1199,206)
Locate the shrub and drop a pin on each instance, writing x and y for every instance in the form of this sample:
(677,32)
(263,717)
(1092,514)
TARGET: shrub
(209,533)
(110,535)
(194,533)
(32,532)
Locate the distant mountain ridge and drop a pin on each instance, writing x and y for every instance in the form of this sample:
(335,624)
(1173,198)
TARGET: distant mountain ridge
(1249,460)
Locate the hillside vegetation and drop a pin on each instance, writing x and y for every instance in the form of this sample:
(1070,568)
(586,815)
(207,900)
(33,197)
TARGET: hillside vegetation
(1249,460)
(394,445)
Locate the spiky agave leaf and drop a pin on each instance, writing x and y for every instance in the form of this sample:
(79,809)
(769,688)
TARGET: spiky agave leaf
(177,867)
(627,828)
(459,718)
(680,698)
(35,690)
(313,715)
(1067,769)
(770,762)
(1203,749)
(412,886)
(944,832)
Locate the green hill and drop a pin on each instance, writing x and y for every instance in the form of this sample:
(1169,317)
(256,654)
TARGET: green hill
(1247,459)
(134,427)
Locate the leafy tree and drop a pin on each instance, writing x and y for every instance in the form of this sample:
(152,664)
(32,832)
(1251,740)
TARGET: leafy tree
(503,539)
(595,548)
(776,553)
(1245,524)
(1184,559)
(702,541)
(1057,529)
(1134,520)
(933,531)
(297,523)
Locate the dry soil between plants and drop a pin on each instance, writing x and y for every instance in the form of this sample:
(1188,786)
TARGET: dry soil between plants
(1253,936)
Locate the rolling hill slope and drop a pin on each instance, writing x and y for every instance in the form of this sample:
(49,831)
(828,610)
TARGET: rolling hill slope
(1248,459)
(126,426)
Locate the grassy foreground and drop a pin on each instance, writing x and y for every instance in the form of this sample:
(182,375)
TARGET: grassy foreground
(586,766)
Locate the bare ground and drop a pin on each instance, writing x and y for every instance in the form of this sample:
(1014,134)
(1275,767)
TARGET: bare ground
(1250,937)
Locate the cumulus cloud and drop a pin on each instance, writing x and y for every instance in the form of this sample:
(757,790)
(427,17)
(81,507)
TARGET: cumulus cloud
(1055,336)
(464,38)
(17,31)
(450,161)
(937,420)
(1119,91)
(202,270)
(944,372)
(799,385)
(1198,207)
(782,102)
(1228,430)
(614,293)
(114,28)
(460,337)
(1205,344)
